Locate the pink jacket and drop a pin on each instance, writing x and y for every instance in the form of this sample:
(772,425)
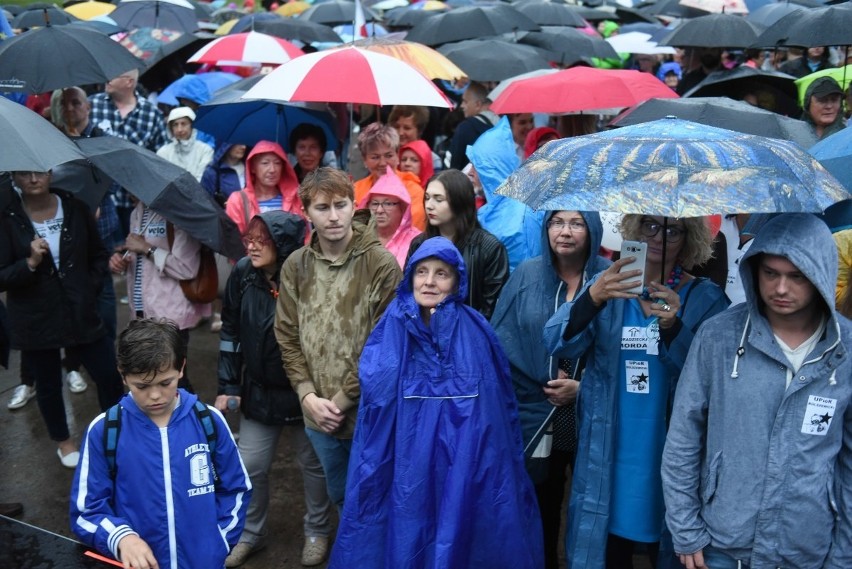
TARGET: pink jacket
(288,186)
(391,185)
(162,296)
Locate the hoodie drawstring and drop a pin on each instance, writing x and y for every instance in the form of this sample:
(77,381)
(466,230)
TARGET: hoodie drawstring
(740,350)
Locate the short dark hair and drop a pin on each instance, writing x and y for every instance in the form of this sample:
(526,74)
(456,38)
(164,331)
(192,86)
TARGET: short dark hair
(330,181)
(149,346)
(420,115)
(307,130)
(462,200)
(479,91)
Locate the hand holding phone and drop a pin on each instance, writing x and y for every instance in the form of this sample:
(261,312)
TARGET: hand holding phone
(625,278)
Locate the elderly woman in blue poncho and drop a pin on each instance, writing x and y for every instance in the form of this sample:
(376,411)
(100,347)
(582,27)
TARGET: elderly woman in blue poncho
(436,477)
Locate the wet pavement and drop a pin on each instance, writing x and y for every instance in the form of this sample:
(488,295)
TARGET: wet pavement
(31,473)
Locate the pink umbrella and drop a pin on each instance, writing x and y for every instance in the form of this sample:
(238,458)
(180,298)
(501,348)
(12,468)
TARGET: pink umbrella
(349,75)
(581,89)
(248,48)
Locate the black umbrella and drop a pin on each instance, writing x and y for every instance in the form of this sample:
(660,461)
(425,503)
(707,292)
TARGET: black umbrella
(405,17)
(551,14)
(166,188)
(335,12)
(810,28)
(671,8)
(37,17)
(105,28)
(714,30)
(721,112)
(31,143)
(568,45)
(247,22)
(774,91)
(470,22)
(155,14)
(62,56)
(493,59)
(295,29)
(768,14)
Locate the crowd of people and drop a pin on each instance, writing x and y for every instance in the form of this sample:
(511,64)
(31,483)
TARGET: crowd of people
(441,358)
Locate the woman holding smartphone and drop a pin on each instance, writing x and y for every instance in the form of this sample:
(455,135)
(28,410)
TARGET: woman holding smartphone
(635,345)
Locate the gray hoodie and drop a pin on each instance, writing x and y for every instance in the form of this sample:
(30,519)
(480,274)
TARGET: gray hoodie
(751,467)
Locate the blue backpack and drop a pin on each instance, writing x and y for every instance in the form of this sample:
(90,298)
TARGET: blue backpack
(112,428)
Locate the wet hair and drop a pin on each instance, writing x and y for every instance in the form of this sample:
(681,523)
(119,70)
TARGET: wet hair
(420,114)
(462,201)
(150,346)
(698,241)
(308,130)
(375,134)
(325,180)
(258,226)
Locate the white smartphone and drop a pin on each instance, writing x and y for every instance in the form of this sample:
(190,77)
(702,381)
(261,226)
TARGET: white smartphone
(638,250)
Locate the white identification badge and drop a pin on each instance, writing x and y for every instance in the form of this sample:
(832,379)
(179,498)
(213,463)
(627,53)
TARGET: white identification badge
(157,229)
(636,373)
(641,338)
(818,415)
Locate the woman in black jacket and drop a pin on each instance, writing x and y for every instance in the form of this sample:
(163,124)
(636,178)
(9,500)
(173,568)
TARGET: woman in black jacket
(252,378)
(52,266)
(450,207)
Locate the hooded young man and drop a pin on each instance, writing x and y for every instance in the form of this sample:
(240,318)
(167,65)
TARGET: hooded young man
(757,467)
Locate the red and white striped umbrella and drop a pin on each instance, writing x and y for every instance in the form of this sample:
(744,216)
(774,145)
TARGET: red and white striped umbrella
(349,75)
(249,48)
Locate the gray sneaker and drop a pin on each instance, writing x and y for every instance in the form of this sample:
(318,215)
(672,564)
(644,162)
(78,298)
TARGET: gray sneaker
(315,551)
(241,552)
(21,395)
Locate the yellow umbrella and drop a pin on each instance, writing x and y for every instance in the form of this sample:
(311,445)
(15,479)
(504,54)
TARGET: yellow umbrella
(90,9)
(292,8)
(434,5)
(225,28)
(429,62)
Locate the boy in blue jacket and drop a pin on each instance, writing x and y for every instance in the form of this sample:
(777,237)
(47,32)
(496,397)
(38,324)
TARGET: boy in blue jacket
(160,483)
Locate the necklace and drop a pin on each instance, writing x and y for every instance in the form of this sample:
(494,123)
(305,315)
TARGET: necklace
(671,282)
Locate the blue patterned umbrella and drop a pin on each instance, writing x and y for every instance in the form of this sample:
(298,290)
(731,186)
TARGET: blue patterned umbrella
(673,168)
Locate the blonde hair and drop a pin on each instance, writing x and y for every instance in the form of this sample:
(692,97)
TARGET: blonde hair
(698,241)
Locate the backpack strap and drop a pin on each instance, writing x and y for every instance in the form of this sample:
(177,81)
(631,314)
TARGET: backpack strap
(209,426)
(112,427)
(246,207)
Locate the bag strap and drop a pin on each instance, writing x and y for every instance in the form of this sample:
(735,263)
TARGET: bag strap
(112,427)
(209,426)
(170,234)
(244,196)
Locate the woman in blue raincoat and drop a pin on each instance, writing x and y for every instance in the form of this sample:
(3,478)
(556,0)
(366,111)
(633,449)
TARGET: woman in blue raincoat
(635,346)
(545,386)
(436,475)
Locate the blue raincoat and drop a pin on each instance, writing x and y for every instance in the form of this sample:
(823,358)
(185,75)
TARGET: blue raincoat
(591,486)
(436,475)
(530,297)
(512,222)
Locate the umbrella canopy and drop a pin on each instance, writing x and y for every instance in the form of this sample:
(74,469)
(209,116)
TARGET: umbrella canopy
(494,59)
(581,89)
(151,45)
(470,22)
(249,22)
(39,17)
(166,188)
(102,25)
(835,153)
(768,14)
(230,119)
(426,60)
(671,9)
(716,30)
(197,88)
(349,75)
(502,85)
(810,28)
(90,9)
(718,6)
(155,14)
(407,18)
(639,43)
(775,91)
(297,29)
(31,143)
(673,168)
(842,75)
(246,48)
(568,45)
(721,112)
(292,8)
(551,14)
(66,56)
(335,12)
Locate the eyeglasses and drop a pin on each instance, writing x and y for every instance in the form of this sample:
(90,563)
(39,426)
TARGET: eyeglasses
(259,242)
(384,205)
(573,226)
(652,228)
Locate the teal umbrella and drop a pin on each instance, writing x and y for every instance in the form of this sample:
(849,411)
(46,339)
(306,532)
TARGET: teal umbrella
(673,168)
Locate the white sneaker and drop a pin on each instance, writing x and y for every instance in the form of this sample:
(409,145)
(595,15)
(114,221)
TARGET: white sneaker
(76,383)
(21,395)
